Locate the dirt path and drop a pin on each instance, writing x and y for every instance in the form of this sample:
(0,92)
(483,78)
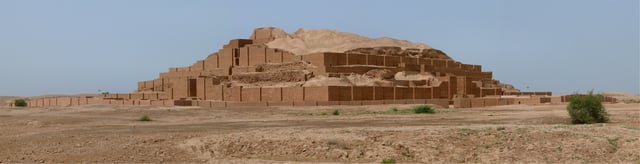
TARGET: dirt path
(303,134)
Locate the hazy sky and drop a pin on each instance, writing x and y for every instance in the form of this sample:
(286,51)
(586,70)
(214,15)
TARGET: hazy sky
(82,46)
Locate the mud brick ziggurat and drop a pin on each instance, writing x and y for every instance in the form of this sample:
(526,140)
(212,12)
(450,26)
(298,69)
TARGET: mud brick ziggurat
(271,68)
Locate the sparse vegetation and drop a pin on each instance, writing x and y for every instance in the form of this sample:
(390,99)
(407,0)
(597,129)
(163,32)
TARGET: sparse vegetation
(20,103)
(614,143)
(323,113)
(468,132)
(394,109)
(336,112)
(587,109)
(144,118)
(424,109)
(632,127)
(388,161)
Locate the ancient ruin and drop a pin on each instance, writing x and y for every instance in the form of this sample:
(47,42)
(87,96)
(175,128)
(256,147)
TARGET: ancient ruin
(319,67)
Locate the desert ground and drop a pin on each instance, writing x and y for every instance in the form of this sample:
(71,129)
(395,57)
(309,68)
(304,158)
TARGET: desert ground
(368,134)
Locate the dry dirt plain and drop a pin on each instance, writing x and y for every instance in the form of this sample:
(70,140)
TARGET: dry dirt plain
(367,134)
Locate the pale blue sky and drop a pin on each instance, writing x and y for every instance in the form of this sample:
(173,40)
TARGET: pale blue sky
(82,46)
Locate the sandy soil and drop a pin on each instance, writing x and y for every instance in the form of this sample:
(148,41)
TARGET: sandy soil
(302,134)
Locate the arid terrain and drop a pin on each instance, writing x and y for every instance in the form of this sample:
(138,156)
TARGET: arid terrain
(516,133)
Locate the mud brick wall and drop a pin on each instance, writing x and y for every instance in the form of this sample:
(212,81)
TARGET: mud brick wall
(384,93)
(410,60)
(150,96)
(362,93)
(237,43)
(375,60)
(533,100)
(244,56)
(274,55)
(317,59)
(439,63)
(201,88)
(293,94)
(213,92)
(271,94)
(141,85)
(180,88)
(232,94)
(403,93)
(136,96)
(225,58)
(290,57)
(490,101)
(453,64)
(257,54)
(316,93)
(211,62)
(197,66)
(251,94)
(356,59)
(340,93)
(422,93)
(391,61)
(63,101)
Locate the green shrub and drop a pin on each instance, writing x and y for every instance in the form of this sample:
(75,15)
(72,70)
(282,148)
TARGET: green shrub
(144,118)
(587,109)
(336,112)
(424,109)
(20,103)
(323,113)
(394,109)
(388,161)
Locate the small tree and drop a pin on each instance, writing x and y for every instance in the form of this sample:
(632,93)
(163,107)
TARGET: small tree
(587,109)
(20,103)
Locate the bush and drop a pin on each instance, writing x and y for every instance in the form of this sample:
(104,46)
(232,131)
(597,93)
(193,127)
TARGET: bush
(323,113)
(20,103)
(336,112)
(144,118)
(424,109)
(587,109)
(388,161)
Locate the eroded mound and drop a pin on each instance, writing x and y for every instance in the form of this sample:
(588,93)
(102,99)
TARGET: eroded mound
(306,41)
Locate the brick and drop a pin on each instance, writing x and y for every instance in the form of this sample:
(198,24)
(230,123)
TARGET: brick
(375,60)
(251,94)
(316,93)
(292,94)
(281,103)
(243,61)
(340,93)
(271,94)
(305,103)
(328,103)
(274,55)
(211,62)
(232,93)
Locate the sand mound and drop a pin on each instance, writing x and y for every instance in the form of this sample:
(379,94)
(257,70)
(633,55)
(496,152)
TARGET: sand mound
(306,41)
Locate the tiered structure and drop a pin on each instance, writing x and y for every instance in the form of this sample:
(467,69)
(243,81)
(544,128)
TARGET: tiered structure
(248,70)
(265,70)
